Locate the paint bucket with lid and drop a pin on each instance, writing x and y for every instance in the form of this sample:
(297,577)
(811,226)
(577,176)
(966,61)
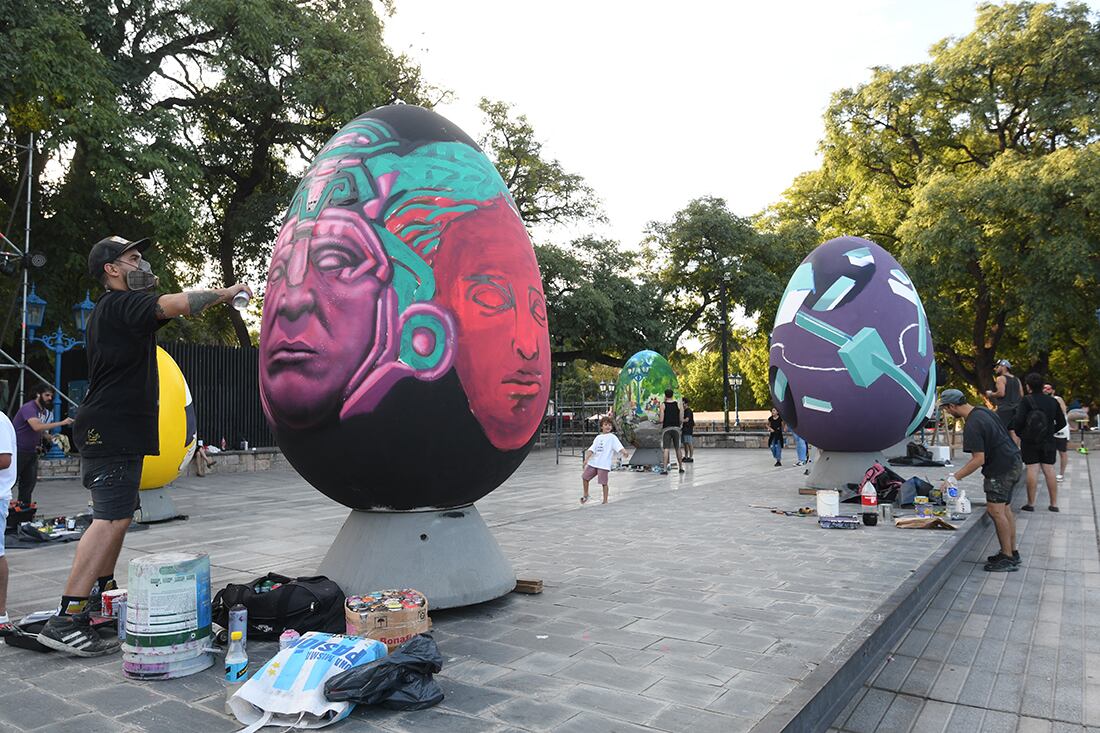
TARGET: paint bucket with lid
(168,630)
(828,502)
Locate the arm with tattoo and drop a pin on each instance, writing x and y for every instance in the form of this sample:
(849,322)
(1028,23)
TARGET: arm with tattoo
(194,302)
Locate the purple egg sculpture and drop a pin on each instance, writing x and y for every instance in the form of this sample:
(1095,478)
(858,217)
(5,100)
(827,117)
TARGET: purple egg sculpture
(851,364)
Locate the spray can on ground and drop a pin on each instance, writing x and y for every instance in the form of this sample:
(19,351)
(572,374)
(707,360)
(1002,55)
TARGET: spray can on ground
(238,621)
(122,619)
(236,667)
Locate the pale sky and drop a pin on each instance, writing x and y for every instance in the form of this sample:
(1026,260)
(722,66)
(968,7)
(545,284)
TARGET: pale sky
(613,89)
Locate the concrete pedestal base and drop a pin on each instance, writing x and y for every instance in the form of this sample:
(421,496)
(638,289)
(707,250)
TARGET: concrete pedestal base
(156,506)
(646,457)
(834,469)
(450,556)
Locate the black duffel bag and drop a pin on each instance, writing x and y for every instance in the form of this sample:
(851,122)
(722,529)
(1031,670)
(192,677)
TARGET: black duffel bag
(302,604)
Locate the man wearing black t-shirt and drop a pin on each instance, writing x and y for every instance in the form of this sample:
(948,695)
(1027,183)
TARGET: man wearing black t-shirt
(995,453)
(116,426)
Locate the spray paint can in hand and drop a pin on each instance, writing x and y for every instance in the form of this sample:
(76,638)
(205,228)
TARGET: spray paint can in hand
(238,621)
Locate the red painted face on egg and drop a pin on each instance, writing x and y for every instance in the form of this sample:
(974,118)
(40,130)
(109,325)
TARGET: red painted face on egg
(489,279)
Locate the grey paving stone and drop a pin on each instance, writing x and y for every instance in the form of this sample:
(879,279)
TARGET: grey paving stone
(118,698)
(621,705)
(966,718)
(683,692)
(174,716)
(609,675)
(533,714)
(1007,691)
(526,684)
(90,723)
(434,720)
(742,703)
(921,678)
(589,722)
(933,717)
(949,683)
(869,712)
(977,688)
(33,708)
(677,718)
(999,722)
(469,699)
(1032,725)
(902,713)
(617,655)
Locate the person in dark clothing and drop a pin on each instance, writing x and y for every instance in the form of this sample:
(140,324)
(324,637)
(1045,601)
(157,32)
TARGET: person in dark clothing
(117,425)
(687,433)
(31,423)
(1039,447)
(993,451)
(775,437)
(670,430)
(1007,395)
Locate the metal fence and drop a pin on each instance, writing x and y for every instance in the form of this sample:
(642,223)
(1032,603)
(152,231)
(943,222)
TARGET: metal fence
(224,383)
(225,386)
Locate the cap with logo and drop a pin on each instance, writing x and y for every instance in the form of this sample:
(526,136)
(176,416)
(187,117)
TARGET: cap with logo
(1005,363)
(109,249)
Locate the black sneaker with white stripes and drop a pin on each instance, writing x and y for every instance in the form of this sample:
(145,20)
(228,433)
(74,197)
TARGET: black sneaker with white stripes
(75,635)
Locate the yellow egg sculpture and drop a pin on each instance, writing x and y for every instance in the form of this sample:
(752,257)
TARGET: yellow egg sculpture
(176,424)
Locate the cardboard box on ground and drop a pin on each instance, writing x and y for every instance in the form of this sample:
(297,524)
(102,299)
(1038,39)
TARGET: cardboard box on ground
(390,616)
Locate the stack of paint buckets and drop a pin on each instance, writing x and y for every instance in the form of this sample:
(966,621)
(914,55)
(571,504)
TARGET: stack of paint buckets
(167,617)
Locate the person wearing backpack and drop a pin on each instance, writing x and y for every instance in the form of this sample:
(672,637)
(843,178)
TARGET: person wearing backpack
(994,452)
(1038,418)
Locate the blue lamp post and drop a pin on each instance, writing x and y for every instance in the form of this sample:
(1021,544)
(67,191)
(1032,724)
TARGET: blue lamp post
(58,343)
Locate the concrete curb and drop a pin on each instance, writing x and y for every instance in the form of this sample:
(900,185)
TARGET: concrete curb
(815,703)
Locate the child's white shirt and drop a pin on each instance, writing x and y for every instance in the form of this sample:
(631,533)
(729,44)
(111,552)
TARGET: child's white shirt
(603,448)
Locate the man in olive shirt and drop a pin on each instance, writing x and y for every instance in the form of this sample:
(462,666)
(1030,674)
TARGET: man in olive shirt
(116,426)
(995,453)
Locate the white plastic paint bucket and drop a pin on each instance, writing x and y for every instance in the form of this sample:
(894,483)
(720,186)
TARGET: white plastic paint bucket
(167,616)
(828,502)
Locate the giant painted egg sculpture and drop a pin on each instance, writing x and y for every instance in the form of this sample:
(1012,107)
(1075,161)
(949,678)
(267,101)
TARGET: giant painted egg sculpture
(639,392)
(177,426)
(851,364)
(404,353)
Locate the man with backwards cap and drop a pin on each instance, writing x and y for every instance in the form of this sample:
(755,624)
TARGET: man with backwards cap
(995,453)
(1006,397)
(116,426)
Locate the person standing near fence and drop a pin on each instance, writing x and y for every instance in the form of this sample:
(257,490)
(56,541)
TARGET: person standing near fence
(31,422)
(117,426)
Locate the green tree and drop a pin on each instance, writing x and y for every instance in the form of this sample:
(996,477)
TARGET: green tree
(182,119)
(543,191)
(595,310)
(972,167)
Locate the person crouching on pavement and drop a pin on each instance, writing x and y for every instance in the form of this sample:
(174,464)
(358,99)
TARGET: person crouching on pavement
(995,453)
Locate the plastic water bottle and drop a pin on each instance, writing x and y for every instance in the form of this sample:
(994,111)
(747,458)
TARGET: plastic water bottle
(240,300)
(952,497)
(868,498)
(238,621)
(236,667)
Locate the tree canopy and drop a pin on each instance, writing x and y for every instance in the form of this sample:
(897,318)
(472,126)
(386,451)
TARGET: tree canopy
(974,168)
(181,120)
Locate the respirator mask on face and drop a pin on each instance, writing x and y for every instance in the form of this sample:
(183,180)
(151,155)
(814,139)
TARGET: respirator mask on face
(141,277)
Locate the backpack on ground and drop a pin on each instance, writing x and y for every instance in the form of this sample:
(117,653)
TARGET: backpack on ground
(303,604)
(1037,425)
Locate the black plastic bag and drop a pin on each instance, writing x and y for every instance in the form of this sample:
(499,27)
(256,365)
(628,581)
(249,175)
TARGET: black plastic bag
(401,680)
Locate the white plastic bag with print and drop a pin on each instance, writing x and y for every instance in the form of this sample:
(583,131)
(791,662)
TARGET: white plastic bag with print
(290,689)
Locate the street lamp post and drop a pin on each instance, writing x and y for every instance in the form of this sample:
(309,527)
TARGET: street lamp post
(57,342)
(606,388)
(736,381)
